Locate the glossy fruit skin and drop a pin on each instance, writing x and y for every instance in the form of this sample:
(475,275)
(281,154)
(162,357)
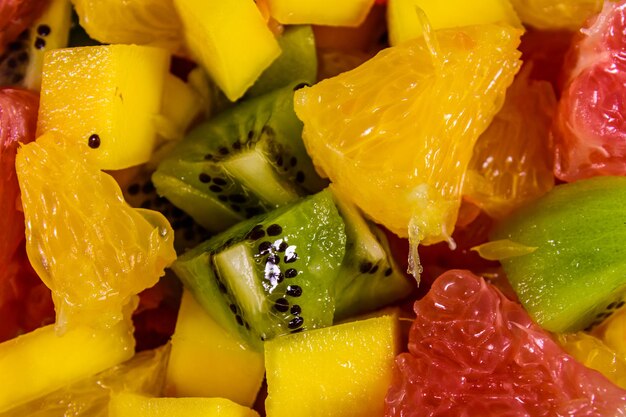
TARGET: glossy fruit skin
(472,352)
(590,127)
(16,16)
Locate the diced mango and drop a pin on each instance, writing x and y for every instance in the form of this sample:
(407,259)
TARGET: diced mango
(233,58)
(343,370)
(320,12)
(126,404)
(404,22)
(180,106)
(107,97)
(40,362)
(207,361)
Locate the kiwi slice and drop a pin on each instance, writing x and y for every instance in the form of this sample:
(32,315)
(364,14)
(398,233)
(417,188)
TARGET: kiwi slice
(573,274)
(297,62)
(245,161)
(21,64)
(273,274)
(139,192)
(369,277)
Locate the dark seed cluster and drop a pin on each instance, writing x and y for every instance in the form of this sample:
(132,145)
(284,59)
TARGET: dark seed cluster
(14,61)
(42,31)
(606,313)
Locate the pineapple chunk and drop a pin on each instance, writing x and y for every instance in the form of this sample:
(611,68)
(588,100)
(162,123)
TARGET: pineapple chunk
(343,370)
(320,12)
(404,23)
(40,362)
(233,58)
(126,404)
(207,361)
(181,106)
(106,96)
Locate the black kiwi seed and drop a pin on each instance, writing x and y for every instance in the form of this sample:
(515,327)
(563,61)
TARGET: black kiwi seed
(237,145)
(222,287)
(374,269)
(295,323)
(611,306)
(264,247)
(239,320)
(133,189)
(94,141)
(40,43)
(204,177)
(233,308)
(293,161)
(216,188)
(274,230)
(281,305)
(256,234)
(219,181)
(223,151)
(208,157)
(365,266)
(388,272)
(147,188)
(294,290)
(279,161)
(273,259)
(43,30)
(300,176)
(291,273)
(290,255)
(296,310)
(620,304)
(282,246)
(250,134)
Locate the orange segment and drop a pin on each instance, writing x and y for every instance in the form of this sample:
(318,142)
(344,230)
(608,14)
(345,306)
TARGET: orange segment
(396,134)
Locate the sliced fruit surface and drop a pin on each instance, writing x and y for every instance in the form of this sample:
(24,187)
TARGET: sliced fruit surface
(141,22)
(320,12)
(474,352)
(420,96)
(574,277)
(512,160)
(40,362)
(590,128)
(208,361)
(127,404)
(273,274)
(343,370)
(90,248)
(556,14)
(404,21)
(233,58)
(106,97)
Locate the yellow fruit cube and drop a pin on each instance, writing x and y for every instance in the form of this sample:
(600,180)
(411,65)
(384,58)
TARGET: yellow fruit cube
(404,22)
(320,12)
(40,362)
(233,58)
(126,404)
(343,370)
(207,361)
(105,96)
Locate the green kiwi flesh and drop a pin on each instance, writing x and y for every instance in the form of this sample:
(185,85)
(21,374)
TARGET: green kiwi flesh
(204,176)
(296,63)
(22,63)
(369,277)
(575,276)
(273,274)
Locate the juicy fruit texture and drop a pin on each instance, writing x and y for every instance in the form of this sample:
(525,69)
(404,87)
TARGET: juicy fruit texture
(613,330)
(89,397)
(125,404)
(233,58)
(320,12)
(273,274)
(106,97)
(559,14)
(512,160)
(474,352)
(141,22)
(405,23)
(89,247)
(594,354)
(23,61)
(343,370)
(590,131)
(40,362)
(575,277)
(419,96)
(208,361)
(245,161)
(16,16)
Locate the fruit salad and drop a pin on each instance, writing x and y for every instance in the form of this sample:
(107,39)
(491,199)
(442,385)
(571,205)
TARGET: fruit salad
(367,208)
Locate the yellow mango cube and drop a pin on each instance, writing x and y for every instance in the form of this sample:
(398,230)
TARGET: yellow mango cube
(207,361)
(343,370)
(126,404)
(233,58)
(40,362)
(105,96)
(404,23)
(320,12)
